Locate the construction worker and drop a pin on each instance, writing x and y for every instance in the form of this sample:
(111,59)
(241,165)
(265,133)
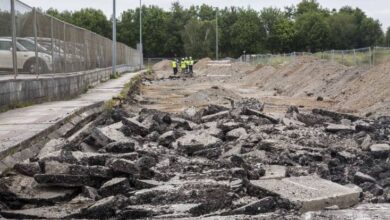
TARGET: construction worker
(187,65)
(174,66)
(191,64)
(183,66)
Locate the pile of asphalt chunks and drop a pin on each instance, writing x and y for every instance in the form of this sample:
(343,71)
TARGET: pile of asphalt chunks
(196,163)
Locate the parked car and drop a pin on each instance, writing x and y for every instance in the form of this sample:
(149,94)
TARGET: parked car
(25,58)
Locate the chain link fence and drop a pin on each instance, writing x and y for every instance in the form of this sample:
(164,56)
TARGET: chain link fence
(369,56)
(32,42)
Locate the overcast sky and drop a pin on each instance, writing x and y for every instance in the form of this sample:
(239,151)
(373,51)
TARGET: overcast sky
(378,9)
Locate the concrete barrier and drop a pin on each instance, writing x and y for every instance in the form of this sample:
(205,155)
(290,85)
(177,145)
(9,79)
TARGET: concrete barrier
(22,92)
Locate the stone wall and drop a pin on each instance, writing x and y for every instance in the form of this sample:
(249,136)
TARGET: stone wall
(23,92)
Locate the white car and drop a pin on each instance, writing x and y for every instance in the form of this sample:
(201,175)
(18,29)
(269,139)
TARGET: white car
(25,58)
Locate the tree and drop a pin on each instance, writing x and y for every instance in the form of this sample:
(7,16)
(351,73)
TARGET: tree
(199,38)
(371,32)
(313,33)
(93,20)
(343,31)
(307,6)
(387,39)
(247,33)
(283,37)
(65,15)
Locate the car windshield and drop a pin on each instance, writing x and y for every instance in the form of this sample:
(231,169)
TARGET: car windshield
(29,45)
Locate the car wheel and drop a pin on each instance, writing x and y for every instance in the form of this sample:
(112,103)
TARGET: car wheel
(29,66)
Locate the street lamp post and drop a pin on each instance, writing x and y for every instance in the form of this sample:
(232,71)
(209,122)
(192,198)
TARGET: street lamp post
(216,35)
(114,37)
(140,34)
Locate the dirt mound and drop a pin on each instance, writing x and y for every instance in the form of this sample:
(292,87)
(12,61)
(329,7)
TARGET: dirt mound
(369,91)
(202,64)
(164,65)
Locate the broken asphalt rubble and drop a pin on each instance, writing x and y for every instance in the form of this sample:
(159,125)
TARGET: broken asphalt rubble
(215,161)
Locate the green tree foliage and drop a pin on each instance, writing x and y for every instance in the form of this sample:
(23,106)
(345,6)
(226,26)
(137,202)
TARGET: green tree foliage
(313,32)
(199,37)
(88,18)
(181,31)
(93,20)
(283,37)
(387,38)
(248,33)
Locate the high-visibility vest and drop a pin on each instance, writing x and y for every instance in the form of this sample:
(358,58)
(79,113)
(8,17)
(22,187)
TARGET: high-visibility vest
(187,62)
(191,62)
(174,65)
(183,65)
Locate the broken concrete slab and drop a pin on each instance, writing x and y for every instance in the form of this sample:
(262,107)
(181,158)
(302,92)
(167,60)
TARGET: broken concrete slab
(114,187)
(120,147)
(26,189)
(380,148)
(310,193)
(363,211)
(52,146)
(236,134)
(62,211)
(67,180)
(360,177)
(105,208)
(52,167)
(123,166)
(195,141)
(228,126)
(168,138)
(340,127)
(274,172)
(271,118)
(216,116)
(28,169)
(135,127)
(108,134)
(335,115)
(263,205)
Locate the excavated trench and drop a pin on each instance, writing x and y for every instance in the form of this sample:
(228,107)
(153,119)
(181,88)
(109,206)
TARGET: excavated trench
(233,159)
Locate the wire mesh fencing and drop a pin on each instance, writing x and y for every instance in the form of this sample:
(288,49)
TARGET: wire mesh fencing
(33,42)
(369,56)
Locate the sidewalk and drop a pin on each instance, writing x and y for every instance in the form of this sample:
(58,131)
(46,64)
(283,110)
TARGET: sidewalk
(20,125)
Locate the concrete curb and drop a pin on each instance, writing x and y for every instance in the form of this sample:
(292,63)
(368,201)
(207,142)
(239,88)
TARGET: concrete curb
(62,128)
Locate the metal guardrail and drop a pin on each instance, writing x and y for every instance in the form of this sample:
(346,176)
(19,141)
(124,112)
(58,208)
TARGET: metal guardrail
(35,43)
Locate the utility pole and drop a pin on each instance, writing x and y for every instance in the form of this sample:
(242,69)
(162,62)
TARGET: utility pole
(216,35)
(140,35)
(114,37)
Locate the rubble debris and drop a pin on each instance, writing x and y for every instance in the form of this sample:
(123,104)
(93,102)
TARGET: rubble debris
(221,162)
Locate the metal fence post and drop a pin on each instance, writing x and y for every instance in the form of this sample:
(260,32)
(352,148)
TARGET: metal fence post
(354,57)
(373,56)
(332,55)
(35,41)
(64,48)
(13,29)
(52,44)
(370,54)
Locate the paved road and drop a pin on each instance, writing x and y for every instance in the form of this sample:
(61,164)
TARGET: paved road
(22,124)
